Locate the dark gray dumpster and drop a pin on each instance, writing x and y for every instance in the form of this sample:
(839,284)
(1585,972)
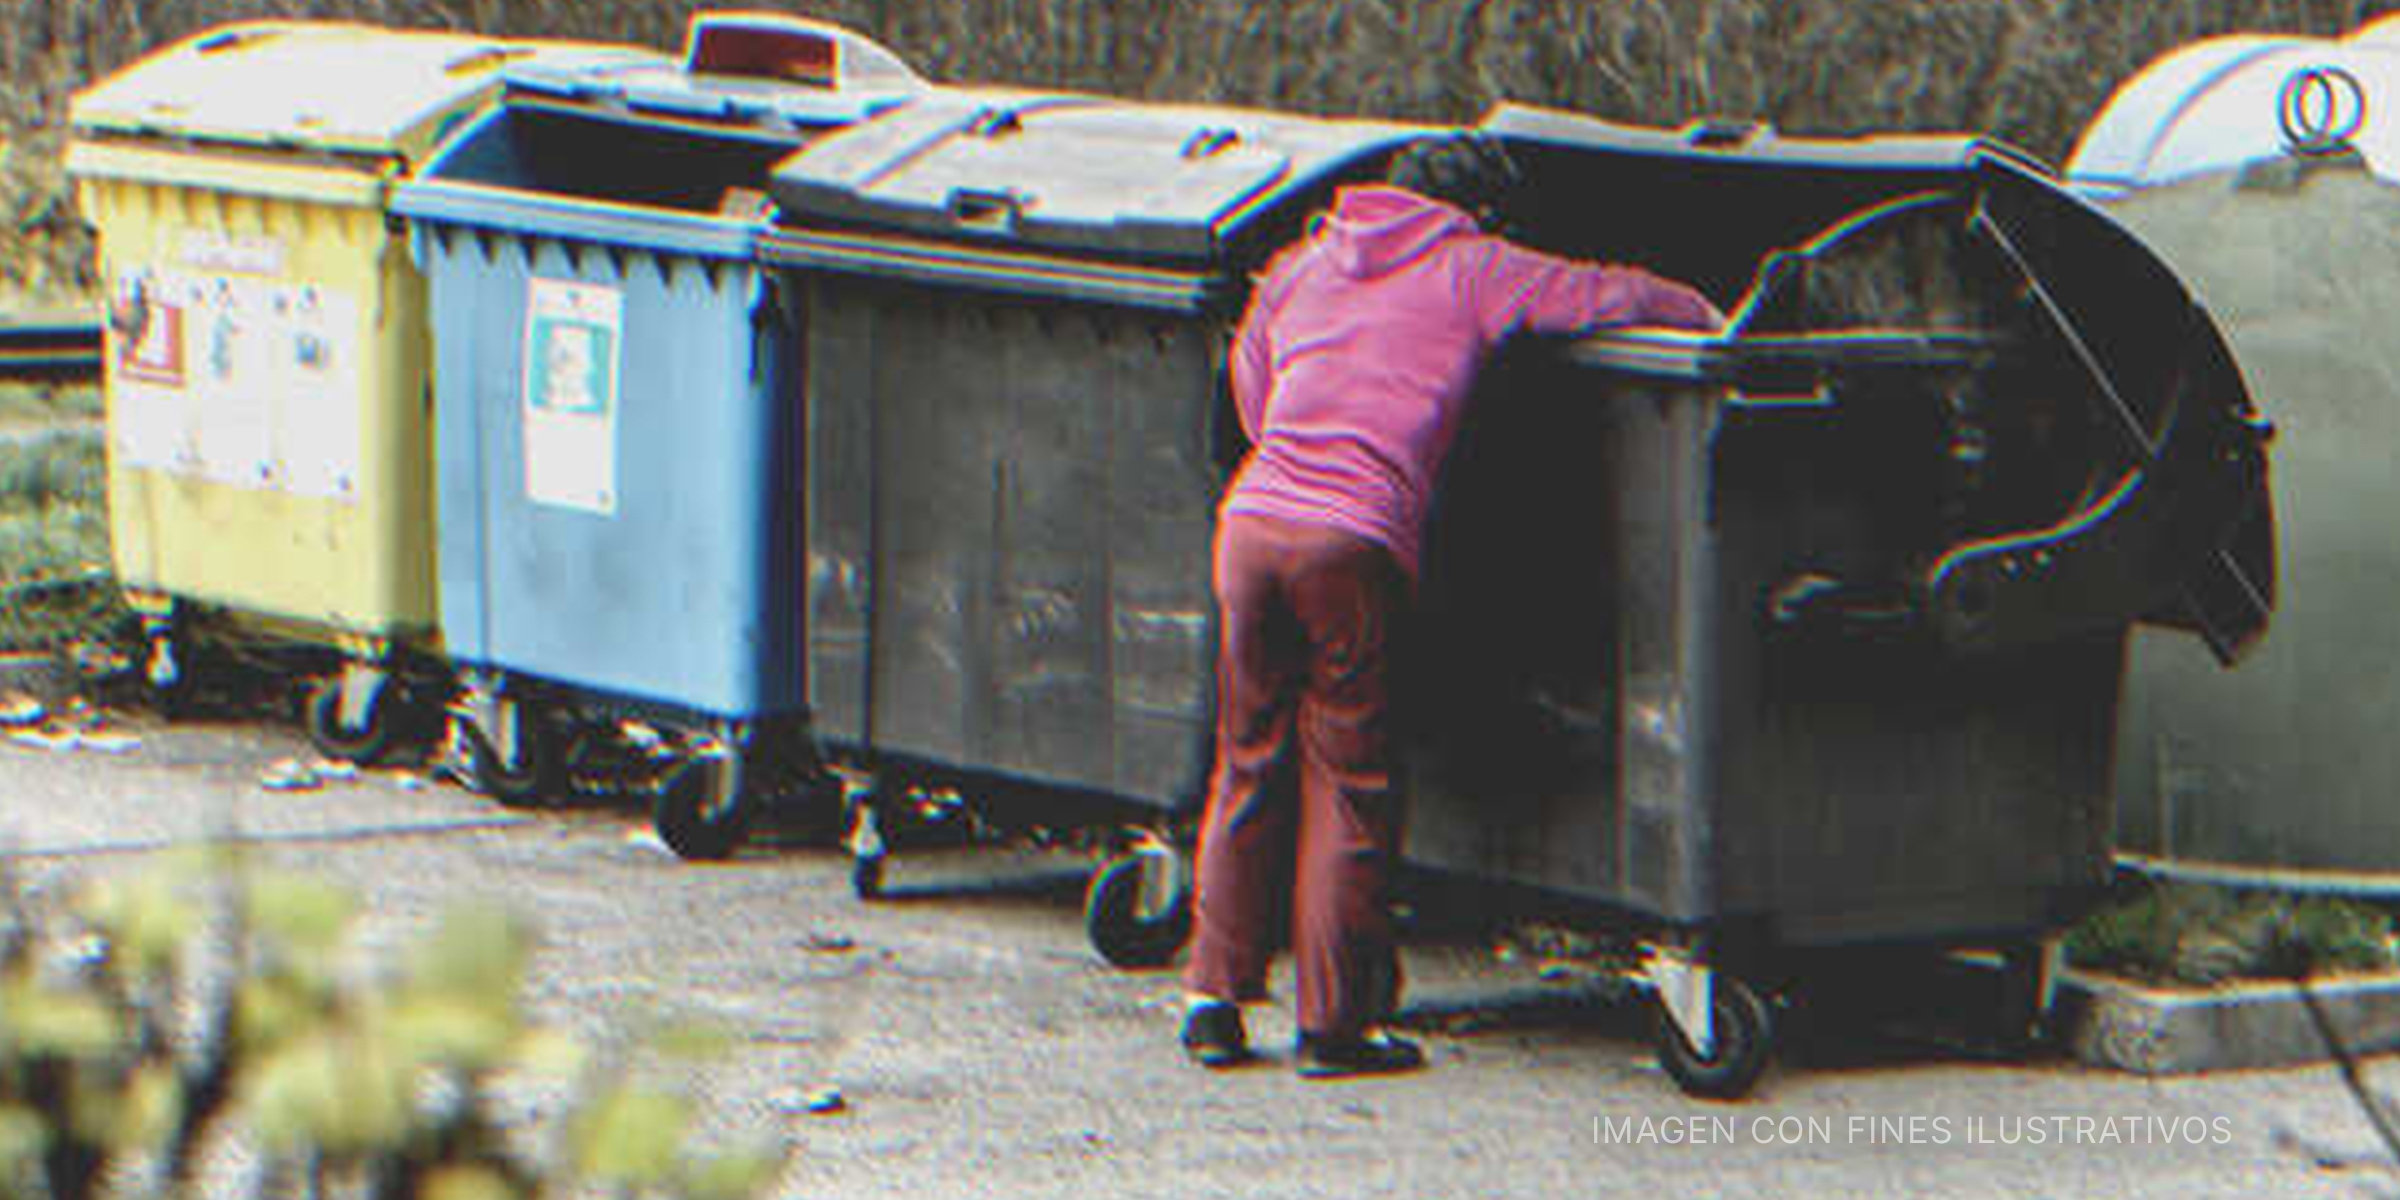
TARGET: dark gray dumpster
(1016,315)
(1805,636)
(1812,635)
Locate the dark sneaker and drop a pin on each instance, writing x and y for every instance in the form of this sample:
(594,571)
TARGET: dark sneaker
(1372,1054)
(1213,1036)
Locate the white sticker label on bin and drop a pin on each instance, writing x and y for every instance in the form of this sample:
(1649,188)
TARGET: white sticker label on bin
(246,382)
(224,253)
(570,403)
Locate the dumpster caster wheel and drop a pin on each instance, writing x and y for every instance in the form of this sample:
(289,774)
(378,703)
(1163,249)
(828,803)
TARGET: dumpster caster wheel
(364,742)
(866,845)
(163,671)
(1743,1031)
(1138,910)
(700,815)
(2028,977)
(537,773)
(866,877)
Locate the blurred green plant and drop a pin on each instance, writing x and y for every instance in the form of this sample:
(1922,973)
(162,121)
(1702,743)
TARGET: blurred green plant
(378,1086)
(47,405)
(54,550)
(2195,935)
(58,471)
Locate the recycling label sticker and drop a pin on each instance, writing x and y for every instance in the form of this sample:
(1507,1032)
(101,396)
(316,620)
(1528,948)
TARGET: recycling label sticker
(235,379)
(572,337)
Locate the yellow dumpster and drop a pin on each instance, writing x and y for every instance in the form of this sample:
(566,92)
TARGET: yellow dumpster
(268,421)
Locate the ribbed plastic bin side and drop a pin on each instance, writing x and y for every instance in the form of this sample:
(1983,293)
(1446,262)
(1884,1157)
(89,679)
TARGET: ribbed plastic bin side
(609,445)
(621,463)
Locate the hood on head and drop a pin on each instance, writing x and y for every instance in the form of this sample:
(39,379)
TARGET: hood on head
(1374,229)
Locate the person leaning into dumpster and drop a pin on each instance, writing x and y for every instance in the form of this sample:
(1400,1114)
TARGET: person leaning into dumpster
(1350,370)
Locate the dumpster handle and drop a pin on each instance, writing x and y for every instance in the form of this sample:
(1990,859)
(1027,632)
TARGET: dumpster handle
(485,59)
(1208,143)
(1723,133)
(236,38)
(984,209)
(994,122)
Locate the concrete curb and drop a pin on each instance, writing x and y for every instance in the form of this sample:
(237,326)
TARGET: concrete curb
(2108,1022)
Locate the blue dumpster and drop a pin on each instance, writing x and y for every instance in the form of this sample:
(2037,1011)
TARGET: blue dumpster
(619,472)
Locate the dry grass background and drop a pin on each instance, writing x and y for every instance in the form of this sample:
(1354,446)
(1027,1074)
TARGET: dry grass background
(2031,71)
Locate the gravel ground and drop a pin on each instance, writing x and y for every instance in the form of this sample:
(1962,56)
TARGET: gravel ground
(980,1048)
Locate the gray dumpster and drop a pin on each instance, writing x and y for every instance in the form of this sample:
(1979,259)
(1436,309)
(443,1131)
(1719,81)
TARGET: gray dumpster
(1016,314)
(1805,636)
(2282,773)
(1811,636)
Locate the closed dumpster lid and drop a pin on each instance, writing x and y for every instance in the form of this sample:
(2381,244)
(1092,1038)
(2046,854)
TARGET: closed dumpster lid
(326,86)
(2226,101)
(778,77)
(1068,172)
(2176,526)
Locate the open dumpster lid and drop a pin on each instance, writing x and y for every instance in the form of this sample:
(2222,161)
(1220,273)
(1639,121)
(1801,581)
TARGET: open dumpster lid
(1069,173)
(323,86)
(1707,202)
(2176,529)
(776,77)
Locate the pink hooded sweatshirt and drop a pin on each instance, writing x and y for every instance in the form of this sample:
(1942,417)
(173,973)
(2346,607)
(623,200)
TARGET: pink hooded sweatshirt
(1354,361)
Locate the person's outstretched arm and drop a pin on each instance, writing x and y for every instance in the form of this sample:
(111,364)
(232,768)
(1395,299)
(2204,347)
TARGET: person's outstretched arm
(1522,288)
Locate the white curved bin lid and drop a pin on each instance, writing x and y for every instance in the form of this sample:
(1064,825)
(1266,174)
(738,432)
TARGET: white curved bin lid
(2217,103)
(2385,28)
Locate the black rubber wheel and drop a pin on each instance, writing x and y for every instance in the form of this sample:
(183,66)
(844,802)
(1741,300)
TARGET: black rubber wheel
(866,876)
(1126,925)
(1745,1039)
(692,820)
(539,772)
(364,745)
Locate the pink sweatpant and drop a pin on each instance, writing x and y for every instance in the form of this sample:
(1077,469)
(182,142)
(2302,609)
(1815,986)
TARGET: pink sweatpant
(1305,611)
